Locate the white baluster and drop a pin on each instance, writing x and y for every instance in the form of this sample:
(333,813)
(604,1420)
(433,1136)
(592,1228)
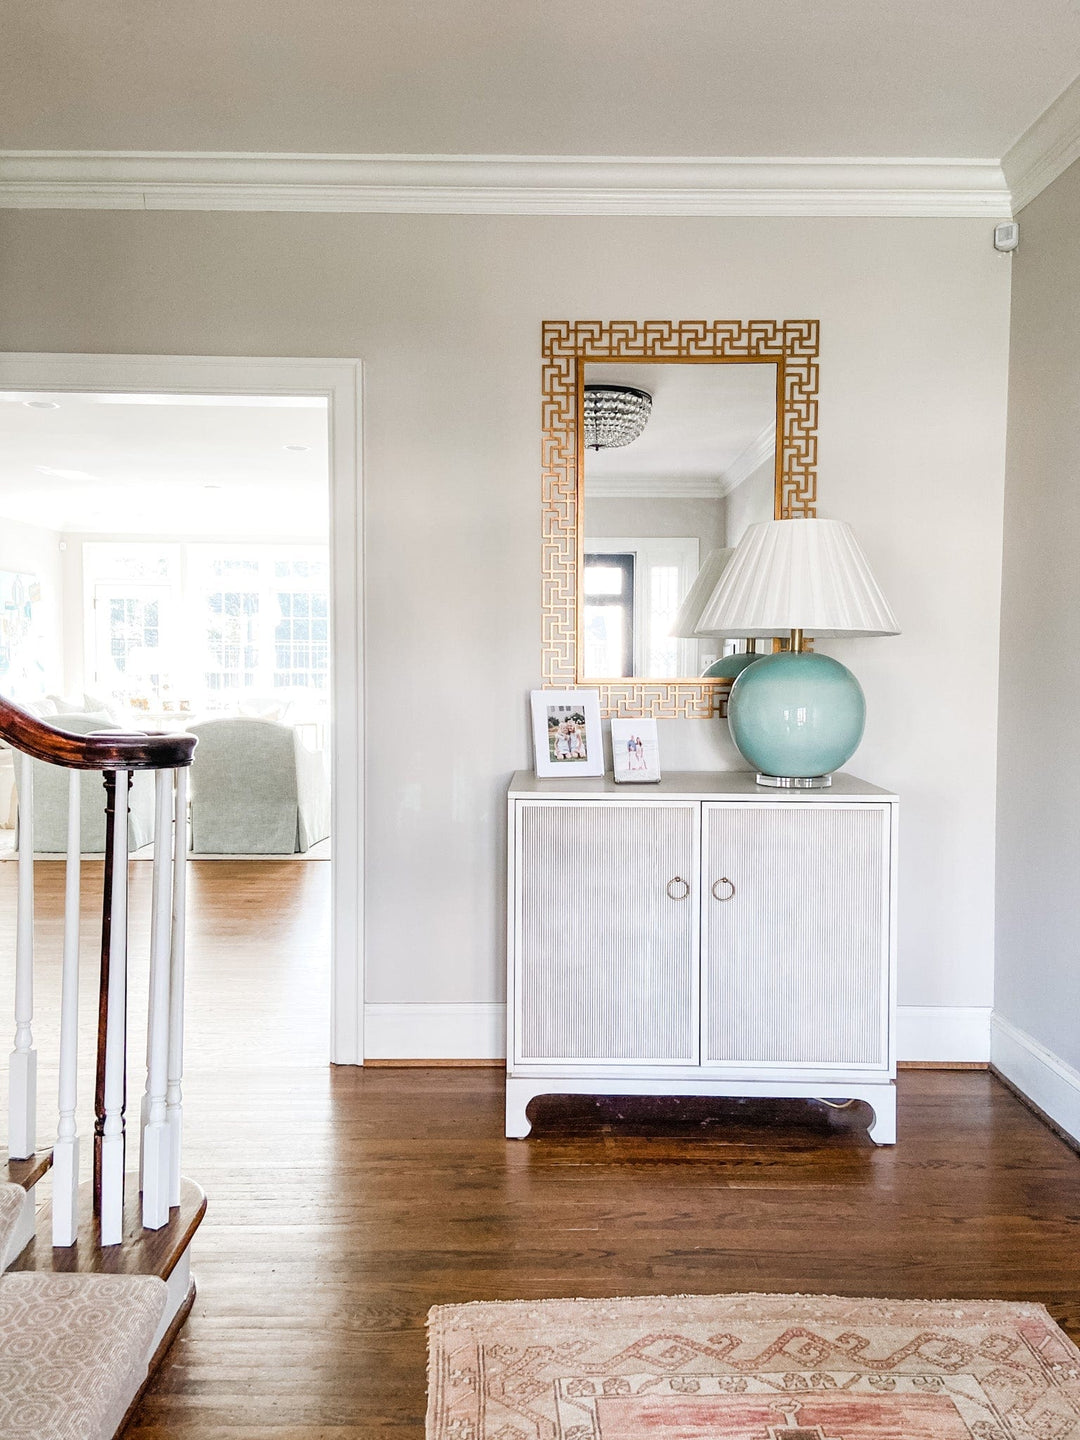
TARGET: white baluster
(65,1169)
(22,1087)
(156,1159)
(174,1097)
(112,1132)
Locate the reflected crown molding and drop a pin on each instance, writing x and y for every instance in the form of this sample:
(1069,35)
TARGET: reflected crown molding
(760,449)
(656,487)
(688,487)
(501,184)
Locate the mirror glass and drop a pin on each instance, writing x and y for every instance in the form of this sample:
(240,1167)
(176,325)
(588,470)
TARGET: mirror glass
(701,470)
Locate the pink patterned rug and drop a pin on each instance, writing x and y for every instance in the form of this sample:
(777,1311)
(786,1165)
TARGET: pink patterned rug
(750,1367)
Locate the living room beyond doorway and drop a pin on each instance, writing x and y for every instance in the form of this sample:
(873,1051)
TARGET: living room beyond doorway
(165,566)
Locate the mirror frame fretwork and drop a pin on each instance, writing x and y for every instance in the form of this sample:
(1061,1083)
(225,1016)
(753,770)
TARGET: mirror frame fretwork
(568,345)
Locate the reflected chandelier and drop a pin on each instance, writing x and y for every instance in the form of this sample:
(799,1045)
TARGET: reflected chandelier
(614,415)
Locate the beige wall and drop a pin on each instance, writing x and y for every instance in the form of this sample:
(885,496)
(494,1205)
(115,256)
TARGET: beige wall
(1038,910)
(750,502)
(622,515)
(445,312)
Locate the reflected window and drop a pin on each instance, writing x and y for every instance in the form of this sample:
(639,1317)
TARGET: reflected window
(665,597)
(608,616)
(632,588)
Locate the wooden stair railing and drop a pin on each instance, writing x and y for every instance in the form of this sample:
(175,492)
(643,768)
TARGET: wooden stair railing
(116,756)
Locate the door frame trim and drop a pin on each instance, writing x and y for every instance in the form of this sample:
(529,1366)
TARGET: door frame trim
(340,381)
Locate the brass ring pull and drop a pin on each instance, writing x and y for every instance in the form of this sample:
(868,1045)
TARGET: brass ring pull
(724,881)
(678,880)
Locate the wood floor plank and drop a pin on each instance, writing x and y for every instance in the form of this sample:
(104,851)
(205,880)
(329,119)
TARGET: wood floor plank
(344,1203)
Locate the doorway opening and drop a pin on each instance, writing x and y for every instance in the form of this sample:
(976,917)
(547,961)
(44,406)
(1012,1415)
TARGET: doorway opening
(182,547)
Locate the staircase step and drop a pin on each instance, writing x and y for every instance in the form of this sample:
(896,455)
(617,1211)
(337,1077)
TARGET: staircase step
(26,1172)
(143,1252)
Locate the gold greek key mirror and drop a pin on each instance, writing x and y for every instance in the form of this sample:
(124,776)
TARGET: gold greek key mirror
(662,441)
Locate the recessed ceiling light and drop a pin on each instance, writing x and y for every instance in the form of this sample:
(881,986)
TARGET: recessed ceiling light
(297,449)
(42,404)
(61,474)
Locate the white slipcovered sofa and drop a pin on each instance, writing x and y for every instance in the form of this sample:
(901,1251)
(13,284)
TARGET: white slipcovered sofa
(256,789)
(51,797)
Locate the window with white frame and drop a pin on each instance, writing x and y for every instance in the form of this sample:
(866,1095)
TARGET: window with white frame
(301,624)
(227,596)
(654,572)
(208,627)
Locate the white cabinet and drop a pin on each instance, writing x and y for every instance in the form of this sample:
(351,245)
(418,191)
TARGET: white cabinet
(701,937)
(578,856)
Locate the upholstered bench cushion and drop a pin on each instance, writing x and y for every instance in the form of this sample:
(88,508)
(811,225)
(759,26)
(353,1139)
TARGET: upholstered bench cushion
(73,1352)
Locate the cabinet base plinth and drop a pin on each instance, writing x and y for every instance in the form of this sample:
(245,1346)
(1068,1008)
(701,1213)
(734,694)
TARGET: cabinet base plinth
(879,1095)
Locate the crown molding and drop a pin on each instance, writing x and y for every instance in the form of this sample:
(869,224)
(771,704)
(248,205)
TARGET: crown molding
(1045,150)
(660,487)
(688,487)
(500,184)
(760,449)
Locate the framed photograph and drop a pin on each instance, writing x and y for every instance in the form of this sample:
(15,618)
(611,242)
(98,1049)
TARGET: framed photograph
(635,751)
(566,732)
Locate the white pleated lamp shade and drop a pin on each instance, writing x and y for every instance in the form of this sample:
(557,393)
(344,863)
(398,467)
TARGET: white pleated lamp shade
(685,626)
(808,575)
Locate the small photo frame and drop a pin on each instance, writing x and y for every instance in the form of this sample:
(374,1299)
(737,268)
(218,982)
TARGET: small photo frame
(635,750)
(566,732)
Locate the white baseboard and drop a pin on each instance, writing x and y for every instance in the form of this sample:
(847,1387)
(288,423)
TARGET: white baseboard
(942,1033)
(1048,1081)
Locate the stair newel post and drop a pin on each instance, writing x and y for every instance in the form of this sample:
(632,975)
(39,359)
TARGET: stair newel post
(65,1212)
(22,1091)
(174,1109)
(110,1094)
(155,1147)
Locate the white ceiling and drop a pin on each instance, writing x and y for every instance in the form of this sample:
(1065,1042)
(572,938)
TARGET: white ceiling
(193,466)
(703,418)
(960,78)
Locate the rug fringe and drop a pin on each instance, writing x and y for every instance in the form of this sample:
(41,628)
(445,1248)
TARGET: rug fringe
(971,1302)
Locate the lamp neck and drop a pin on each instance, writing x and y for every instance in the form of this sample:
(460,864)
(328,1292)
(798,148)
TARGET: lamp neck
(796,641)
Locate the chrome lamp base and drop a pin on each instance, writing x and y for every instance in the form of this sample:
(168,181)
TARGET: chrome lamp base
(796,782)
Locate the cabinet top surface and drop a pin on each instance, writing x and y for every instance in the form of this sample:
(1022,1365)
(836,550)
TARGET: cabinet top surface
(693,785)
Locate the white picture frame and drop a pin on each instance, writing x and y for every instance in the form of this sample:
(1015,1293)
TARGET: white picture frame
(567,736)
(635,752)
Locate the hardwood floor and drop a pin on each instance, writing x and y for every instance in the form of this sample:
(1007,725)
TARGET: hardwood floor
(343,1203)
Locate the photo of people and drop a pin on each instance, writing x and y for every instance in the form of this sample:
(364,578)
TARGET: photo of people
(635,750)
(567,739)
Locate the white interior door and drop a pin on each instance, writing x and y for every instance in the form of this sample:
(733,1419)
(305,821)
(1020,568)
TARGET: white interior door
(607,933)
(795,934)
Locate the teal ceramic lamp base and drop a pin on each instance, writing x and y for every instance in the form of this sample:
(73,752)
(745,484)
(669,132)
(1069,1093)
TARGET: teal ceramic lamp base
(796,717)
(728,666)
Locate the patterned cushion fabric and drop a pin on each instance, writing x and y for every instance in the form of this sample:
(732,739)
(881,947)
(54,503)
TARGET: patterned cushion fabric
(11,1200)
(73,1352)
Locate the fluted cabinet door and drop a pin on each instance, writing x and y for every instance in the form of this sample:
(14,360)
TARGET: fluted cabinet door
(795,935)
(607,933)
